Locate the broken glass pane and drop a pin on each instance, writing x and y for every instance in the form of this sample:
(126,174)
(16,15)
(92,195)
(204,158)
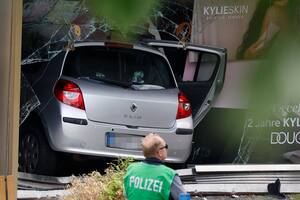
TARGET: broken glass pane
(270,139)
(28,101)
(68,21)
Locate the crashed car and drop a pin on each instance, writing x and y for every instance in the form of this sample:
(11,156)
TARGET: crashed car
(101,98)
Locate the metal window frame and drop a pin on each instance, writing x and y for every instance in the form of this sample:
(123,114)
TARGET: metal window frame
(10,65)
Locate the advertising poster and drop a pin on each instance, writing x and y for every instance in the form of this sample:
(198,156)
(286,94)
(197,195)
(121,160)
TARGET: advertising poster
(250,30)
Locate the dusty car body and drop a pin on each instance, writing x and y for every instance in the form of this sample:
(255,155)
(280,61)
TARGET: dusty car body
(102,98)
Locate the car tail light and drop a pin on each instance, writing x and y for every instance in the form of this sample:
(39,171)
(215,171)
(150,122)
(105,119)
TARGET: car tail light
(69,93)
(184,106)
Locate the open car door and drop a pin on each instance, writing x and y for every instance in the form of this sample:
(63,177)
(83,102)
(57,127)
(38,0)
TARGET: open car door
(199,71)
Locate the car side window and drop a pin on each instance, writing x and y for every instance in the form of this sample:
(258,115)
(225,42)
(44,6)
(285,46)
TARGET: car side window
(199,66)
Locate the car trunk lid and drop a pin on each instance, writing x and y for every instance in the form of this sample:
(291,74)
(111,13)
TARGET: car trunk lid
(106,103)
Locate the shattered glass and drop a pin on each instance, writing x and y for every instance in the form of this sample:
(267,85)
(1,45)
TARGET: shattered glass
(29,100)
(66,22)
(245,148)
(175,20)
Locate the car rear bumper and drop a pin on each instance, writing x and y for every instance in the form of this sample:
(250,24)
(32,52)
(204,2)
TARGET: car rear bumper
(82,136)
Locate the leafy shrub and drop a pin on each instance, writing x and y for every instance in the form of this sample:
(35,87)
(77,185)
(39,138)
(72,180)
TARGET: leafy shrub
(95,186)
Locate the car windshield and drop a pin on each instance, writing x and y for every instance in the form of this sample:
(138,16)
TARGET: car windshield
(123,67)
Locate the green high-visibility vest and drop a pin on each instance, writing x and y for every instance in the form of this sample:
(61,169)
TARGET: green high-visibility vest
(148,181)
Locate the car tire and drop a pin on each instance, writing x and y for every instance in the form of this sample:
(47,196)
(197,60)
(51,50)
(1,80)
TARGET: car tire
(35,154)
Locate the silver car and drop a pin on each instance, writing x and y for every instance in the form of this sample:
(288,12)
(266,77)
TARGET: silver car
(102,98)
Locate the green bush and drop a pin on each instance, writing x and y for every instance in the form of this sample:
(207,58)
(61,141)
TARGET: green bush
(294,196)
(95,186)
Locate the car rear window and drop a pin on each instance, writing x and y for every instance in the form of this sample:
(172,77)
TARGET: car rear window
(143,69)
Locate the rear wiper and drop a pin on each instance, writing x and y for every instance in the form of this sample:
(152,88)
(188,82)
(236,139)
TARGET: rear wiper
(113,82)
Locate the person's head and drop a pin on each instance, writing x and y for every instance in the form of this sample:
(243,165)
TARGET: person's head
(154,146)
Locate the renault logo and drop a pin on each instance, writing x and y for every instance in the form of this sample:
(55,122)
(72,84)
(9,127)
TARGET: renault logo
(133,107)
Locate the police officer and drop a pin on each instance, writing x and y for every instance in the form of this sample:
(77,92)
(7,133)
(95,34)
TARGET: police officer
(151,179)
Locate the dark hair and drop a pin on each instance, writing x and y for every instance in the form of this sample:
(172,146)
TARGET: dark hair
(254,27)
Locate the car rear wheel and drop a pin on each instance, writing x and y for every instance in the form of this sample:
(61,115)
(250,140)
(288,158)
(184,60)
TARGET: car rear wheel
(35,154)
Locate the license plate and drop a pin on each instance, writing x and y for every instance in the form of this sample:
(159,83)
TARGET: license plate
(123,141)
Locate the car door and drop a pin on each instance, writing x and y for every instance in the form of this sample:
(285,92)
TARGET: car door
(199,71)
